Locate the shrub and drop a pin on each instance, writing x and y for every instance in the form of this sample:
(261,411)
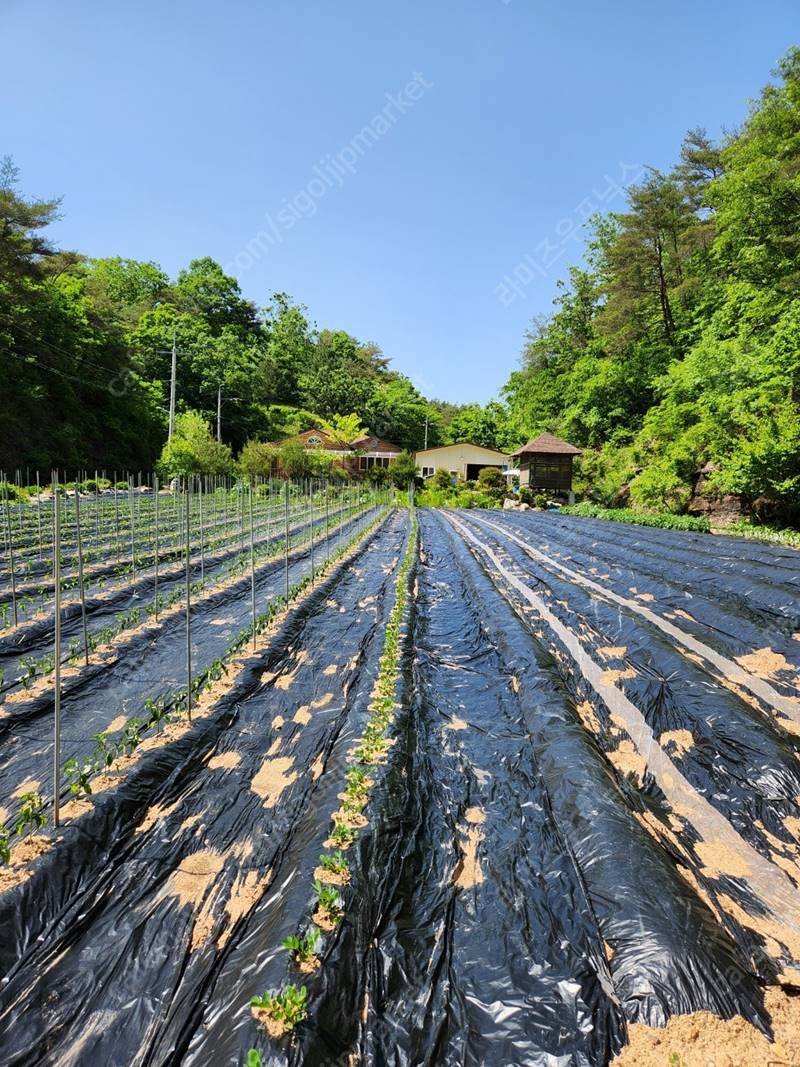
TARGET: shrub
(13,492)
(491,480)
(403,470)
(257,460)
(442,479)
(664,520)
(193,449)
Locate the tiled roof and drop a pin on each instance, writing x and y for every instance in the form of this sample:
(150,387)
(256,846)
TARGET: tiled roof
(548,444)
(370,443)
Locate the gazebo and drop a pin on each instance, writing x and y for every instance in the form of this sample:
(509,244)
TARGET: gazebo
(546,463)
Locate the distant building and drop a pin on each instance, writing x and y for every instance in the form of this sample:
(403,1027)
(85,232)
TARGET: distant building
(359,456)
(463,460)
(374,452)
(546,463)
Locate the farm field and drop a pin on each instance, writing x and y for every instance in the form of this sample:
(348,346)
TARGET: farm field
(551,763)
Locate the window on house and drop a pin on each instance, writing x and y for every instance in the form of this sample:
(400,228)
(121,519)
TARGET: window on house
(315,440)
(427,472)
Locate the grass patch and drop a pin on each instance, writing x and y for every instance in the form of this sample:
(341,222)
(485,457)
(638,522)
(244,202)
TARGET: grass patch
(662,521)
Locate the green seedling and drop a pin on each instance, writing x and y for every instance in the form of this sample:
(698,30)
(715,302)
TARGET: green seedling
(351,806)
(31,813)
(303,948)
(130,735)
(289,1006)
(254,1058)
(156,713)
(343,836)
(78,776)
(5,846)
(328,899)
(103,755)
(335,862)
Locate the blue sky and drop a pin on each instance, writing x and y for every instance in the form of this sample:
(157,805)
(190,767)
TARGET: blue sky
(175,130)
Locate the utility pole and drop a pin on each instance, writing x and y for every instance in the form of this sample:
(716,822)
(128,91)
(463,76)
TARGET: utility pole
(426,431)
(172,384)
(219,414)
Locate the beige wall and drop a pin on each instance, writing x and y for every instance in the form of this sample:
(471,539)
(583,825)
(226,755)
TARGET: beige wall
(455,458)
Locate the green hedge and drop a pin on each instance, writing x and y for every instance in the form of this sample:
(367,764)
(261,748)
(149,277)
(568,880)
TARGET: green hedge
(665,521)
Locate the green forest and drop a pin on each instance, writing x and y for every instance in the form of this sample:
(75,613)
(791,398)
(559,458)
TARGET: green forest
(86,350)
(672,356)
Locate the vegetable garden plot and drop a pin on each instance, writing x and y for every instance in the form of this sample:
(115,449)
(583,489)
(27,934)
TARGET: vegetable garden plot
(232,825)
(471,939)
(733,751)
(144,672)
(216,528)
(26,653)
(701,830)
(512,905)
(759,584)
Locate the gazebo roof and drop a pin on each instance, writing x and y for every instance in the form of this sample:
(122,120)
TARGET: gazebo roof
(548,444)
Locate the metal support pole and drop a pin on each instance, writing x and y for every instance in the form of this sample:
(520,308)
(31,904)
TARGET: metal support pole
(57,693)
(116,520)
(311,524)
(252,568)
(188,613)
(133,530)
(155,543)
(286,538)
(81,586)
(11,564)
(39,513)
(327,524)
(202,539)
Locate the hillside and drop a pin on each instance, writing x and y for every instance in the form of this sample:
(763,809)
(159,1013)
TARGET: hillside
(673,355)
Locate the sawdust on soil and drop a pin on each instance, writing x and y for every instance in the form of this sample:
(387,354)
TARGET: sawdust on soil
(116,724)
(18,870)
(701,1039)
(588,716)
(30,785)
(225,761)
(272,778)
(764,662)
(326,921)
(612,677)
(628,760)
(718,859)
(468,872)
(322,874)
(682,740)
(274,1027)
(457,724)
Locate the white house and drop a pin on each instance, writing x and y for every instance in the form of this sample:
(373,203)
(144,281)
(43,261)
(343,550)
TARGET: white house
(463,460)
